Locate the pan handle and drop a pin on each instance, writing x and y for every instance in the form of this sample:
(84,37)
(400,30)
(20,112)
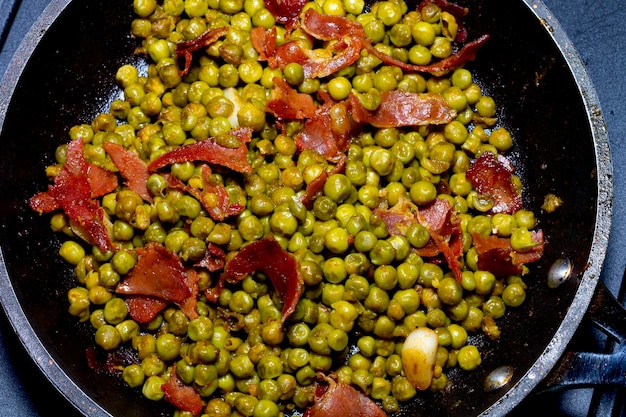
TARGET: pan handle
(578,369)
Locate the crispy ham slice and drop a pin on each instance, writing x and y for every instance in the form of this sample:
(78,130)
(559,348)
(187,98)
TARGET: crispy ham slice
(336,399)
(266,255)
(74,191)
(187,48)
(401,108)
(158,279)
(131,167)
(287,103)
(492,175)
(496,255)
(182,396)
(209,150)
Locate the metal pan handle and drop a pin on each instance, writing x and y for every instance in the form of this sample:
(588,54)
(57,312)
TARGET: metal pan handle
(578,369)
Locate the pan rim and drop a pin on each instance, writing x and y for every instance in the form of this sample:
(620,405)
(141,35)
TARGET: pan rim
(604,204)
(538,371)
(12,308)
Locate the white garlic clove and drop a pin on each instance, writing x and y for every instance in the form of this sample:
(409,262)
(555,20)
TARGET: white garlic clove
(419,356)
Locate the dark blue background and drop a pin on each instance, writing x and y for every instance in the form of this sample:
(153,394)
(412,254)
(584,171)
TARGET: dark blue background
(598,31)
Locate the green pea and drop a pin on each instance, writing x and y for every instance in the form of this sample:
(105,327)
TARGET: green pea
(377,300)
(152,388)
(450,291)
(485,282)
(336,240)
(266,408)
(469,358)
(71,252)
(133,375)
(514,295)
(108,337)
(423,192)
(337,187)
(494,307)
(200,328)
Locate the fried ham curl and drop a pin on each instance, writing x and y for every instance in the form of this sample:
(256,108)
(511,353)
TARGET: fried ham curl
(158,278)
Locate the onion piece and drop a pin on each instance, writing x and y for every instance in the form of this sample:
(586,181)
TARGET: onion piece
(419,355)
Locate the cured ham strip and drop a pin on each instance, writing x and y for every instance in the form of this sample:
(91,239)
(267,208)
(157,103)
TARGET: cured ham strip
(456,60)
(264,41)
(131,167)
(74,191)
(459,12)
(214,198)
(184,397)
(328,27)
(142,308)
(445,232)
(492,176)
(214,258)
(187,48)
(401,108)
(315,186)
(266,255)
(344,52)
(158,273)
(287,103)
(321,135)
(496,255)
(339,400)
(285,12)
(398,218)
(209,150)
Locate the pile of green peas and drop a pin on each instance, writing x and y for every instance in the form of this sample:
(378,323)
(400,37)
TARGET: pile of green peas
(364,289)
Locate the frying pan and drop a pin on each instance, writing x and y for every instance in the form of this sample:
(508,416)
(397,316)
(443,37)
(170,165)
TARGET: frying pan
(64,75)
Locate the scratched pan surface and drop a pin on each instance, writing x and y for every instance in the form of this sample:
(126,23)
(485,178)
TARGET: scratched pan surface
(64,75)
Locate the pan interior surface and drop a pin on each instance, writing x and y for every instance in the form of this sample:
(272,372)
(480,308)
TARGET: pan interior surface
(69,78)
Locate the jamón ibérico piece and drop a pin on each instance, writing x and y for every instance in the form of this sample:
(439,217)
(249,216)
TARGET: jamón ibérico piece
(336,399)
(496,255)
(74,191)
(131,167)
(287,103)
(315,186)
(285,12)
(266,255)
(399,218)
(209,150)
(445,231)
(455,10)
(187,48)
(319,134)
(456,60)
(143,308)
(344,52)
(328,27)
(157,279)
(214,258)
(263,41)
(492,175)
(213,197)
(402,108)
(184,397)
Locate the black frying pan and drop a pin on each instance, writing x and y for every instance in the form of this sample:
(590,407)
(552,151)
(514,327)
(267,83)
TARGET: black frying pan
(65,76)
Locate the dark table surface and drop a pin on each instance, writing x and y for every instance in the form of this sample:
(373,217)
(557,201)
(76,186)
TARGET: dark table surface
(597,31)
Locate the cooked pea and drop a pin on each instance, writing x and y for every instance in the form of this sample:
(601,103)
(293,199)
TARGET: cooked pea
(422,192)
(469,357)
(449,291)
(108,337)
(494,307)
(152,388)
(514,295)
(72,252)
